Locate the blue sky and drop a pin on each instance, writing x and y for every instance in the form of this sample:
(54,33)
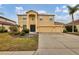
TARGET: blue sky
(60,10)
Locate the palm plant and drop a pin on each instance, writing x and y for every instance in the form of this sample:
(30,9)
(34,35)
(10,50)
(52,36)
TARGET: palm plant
(72,10)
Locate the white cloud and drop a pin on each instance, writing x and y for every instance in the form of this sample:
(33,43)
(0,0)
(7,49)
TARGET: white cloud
(64,6)
(67,18)
(58,9)
(72,5)
(76,15)
(65,10)
(63,19)
(19,10)
(42,12)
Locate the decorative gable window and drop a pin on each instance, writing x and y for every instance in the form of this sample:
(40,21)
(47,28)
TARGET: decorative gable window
(33,18)
(41,18)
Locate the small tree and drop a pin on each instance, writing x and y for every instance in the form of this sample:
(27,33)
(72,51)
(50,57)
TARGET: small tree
(72,10)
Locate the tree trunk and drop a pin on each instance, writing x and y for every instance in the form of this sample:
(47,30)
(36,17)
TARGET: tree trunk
(72,23)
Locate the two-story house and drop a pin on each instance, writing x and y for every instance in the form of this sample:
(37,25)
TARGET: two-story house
(36,22)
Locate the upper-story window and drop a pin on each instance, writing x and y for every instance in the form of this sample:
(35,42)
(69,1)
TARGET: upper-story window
(51,19)
(24,18)
(41,19)
(33,18)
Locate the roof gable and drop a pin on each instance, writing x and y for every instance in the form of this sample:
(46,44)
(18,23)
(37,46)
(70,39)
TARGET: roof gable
(31,11)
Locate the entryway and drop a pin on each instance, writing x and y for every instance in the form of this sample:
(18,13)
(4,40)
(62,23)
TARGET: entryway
(32,28)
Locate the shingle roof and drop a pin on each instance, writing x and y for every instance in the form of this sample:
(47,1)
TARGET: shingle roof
(76,22)
(37,13)
(7,19)
(58,23)
(6,23)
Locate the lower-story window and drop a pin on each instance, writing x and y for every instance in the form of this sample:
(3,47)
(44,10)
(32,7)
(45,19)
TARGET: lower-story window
(24,26)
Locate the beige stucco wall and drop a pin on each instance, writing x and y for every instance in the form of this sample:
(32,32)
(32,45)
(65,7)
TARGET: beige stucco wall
(45,20)
(20,22)
(77,26)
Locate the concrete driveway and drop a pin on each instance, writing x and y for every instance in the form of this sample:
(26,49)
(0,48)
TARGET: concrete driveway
(58,44)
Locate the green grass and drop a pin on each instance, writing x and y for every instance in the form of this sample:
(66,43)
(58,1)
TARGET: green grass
(9,43)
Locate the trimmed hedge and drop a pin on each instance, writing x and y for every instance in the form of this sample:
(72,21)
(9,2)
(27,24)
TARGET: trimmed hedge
(22,33)
(69,29)
(25,30)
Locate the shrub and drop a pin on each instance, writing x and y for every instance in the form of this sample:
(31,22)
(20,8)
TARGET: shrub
(65,31)
(26,30)
(17,33)
(2,29)
(22,33)
(69,28)
(13,28)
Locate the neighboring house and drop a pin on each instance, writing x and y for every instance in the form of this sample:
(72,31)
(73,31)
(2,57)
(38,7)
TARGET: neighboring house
(76,23)
(36,22)
(60,23)
(6,22)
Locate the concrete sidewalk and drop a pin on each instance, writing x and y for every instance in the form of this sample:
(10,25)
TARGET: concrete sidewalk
(17,52)
(58,44)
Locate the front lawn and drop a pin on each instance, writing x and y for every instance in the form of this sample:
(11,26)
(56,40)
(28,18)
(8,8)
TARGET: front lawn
(10,43)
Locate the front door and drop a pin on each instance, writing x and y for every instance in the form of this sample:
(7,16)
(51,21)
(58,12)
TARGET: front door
(32,28)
